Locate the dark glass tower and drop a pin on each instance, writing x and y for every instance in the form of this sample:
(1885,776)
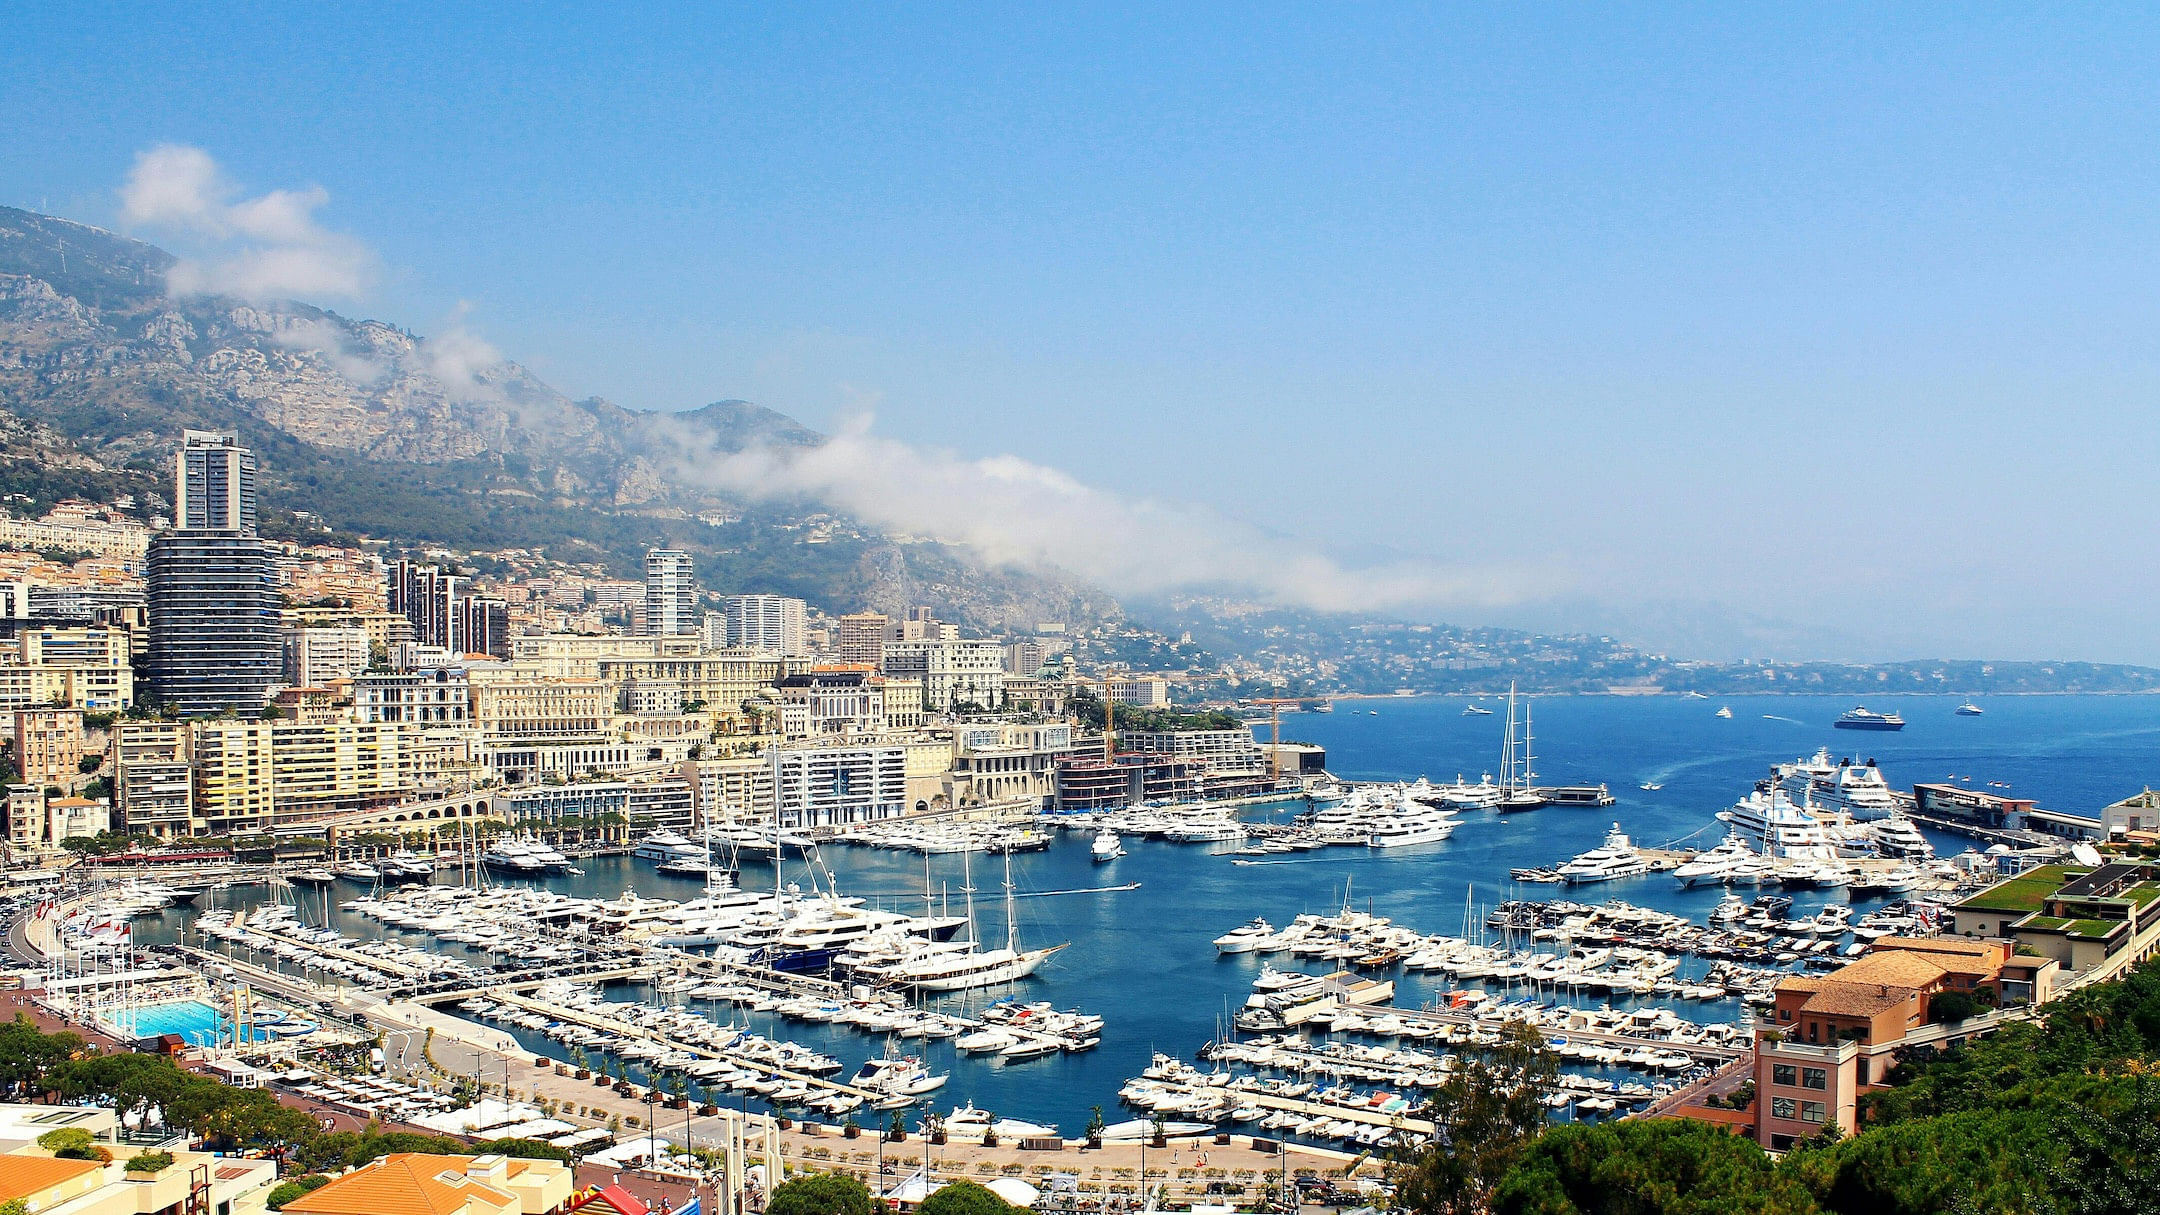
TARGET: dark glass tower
(214,641)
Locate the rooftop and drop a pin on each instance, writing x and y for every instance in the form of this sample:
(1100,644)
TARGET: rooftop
(2021,894)
(22,1176)
(402,1183)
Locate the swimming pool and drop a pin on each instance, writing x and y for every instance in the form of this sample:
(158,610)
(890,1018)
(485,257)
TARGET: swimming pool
(195,1022)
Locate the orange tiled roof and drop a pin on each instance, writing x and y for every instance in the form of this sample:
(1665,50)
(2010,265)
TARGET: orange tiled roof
(22,1176)
(402,1183)
(1836,999)
(1894,967)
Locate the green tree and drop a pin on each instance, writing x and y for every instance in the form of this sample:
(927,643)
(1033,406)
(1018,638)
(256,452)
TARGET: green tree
(1665,1166)
(1484,1118)
(966,1198)
(294,1187)
(821,1194)
(521,1149)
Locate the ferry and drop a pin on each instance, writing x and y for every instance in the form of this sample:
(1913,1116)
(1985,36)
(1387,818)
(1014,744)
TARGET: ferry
(1862,718)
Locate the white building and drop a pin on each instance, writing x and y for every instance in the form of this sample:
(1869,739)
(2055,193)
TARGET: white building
(952,671)
(432,696)
(766,622)
(1143,691)
(818,704)
(314,657)
(670,594)
(1223,751)
(819,786)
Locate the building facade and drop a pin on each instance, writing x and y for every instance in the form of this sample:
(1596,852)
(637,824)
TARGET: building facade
(824,786)
(766,622)
(671,594)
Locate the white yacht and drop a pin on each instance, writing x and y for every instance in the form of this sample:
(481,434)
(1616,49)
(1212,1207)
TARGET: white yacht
(1856,789)
(1899,879)
(1411,822)
(665,845)
(1770,820)
(1729,909)
(897,1081)
(360,871)
(1898,836)
(1462,795)
(1107,846)
(1720,865)
(1207,831)
(1724,711)
(1613,859)
(1245,938)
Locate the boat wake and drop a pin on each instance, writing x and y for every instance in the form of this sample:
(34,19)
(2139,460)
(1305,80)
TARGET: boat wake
(1774,717)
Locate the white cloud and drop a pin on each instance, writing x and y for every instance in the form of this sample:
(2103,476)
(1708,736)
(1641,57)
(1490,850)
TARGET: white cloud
(264,247)
(1013,511)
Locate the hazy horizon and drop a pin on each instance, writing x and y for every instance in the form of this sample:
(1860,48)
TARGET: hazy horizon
(1819,334)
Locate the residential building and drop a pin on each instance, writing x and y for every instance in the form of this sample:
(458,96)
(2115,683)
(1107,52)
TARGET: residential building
(428,597)
(1226,752)
(67,817)
(412,1183)
(1023,657)
(483,626)
(71,666)
(214,642)
(671,594)
(1829,1040)
(214,483)
(766,622)
(645,805)
(1093,783)
(572,656)
(25,816)
(315,657)
(49,747)
(77,527)
(733,789)
(2135,818)
(261,775)
(833,784)
(385,628)
(2096,921)
(953,672)
(152,779)
(719,682)
(997,762)
(860,638)
(316,706)
(903,703)
(511,707)
(195,1182)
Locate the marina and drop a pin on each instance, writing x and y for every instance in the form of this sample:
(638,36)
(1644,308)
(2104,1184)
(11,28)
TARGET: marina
(1642,979)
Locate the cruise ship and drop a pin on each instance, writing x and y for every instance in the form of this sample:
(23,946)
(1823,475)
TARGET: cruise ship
(1856,789)
(1862,719)
(1613,859)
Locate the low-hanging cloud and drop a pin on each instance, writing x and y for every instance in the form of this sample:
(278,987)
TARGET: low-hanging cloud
(1012,511)
(265,247)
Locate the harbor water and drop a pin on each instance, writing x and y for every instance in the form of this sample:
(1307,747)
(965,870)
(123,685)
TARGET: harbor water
(1143,958)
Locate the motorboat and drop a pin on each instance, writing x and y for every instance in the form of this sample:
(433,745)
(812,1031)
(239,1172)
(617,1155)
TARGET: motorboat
(1245,938)
(1616,858)
(1650,786)
(898,1081)
(665,845)
(1862,718)
(1729,909)
(1107,846)
(1724,711)
(1476,711)
(316,876)
(1969,709)
(1899,837)
(1899,879)
(360,871)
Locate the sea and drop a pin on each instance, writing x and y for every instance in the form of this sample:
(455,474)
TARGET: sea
(1143,958)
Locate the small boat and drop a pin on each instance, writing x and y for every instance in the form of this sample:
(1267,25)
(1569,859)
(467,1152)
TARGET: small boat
(1725,711)
(1650,786)
(1244,939)
(1476,711)
(1969,709)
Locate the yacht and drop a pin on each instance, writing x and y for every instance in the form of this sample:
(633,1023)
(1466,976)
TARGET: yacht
(1969,709)
(1724,711)
(1720,865)
(1770,820)
(1650,786)
(1615,858)
(317,876)
(360,871)
(1476,711)
(1899,879)
(898,1081)
(1411,824)
(696,865)
(665,845)
(1207,831)
(1857,789)
(1729,909)
(1862,719)
(1107,846)
(1463,795)
(1244,939)
(1897,836)
(1814,874)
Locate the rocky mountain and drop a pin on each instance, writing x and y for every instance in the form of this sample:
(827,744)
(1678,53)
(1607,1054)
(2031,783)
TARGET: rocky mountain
(372,429)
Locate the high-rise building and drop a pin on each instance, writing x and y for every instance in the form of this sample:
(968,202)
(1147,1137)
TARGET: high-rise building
(670,594)
(428,597)
(212,587)
(862,638)
(483,626)
(766,622)
(215,483)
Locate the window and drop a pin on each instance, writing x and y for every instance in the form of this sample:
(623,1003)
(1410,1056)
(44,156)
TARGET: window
(1782,1073)
(1784,1014)
(1811,1111)
(1814,1077)
(1781,1107)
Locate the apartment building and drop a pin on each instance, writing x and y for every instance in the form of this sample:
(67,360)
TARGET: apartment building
(318,657)
(431,696)
(72,666)
(77,527)
(1140,691)
(717,683)
(261,775)
(860,638)
(1230,752)
(671,594)
(825,702)
(511,707)
(766,622)
(152,779)
(733,789)
(839,783)
(49,747)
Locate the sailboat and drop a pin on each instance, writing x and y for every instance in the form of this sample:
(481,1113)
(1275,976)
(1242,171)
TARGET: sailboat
(983,967)
(1517,772)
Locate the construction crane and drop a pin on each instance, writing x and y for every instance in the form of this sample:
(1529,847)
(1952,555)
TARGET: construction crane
(1275,704)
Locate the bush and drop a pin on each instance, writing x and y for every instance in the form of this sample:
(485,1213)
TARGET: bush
(820,1194)
(966,1198)
(288,1190)
(1949,1007)
(150,1162)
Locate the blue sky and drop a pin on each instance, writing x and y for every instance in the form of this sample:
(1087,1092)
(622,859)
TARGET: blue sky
(1822,332)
